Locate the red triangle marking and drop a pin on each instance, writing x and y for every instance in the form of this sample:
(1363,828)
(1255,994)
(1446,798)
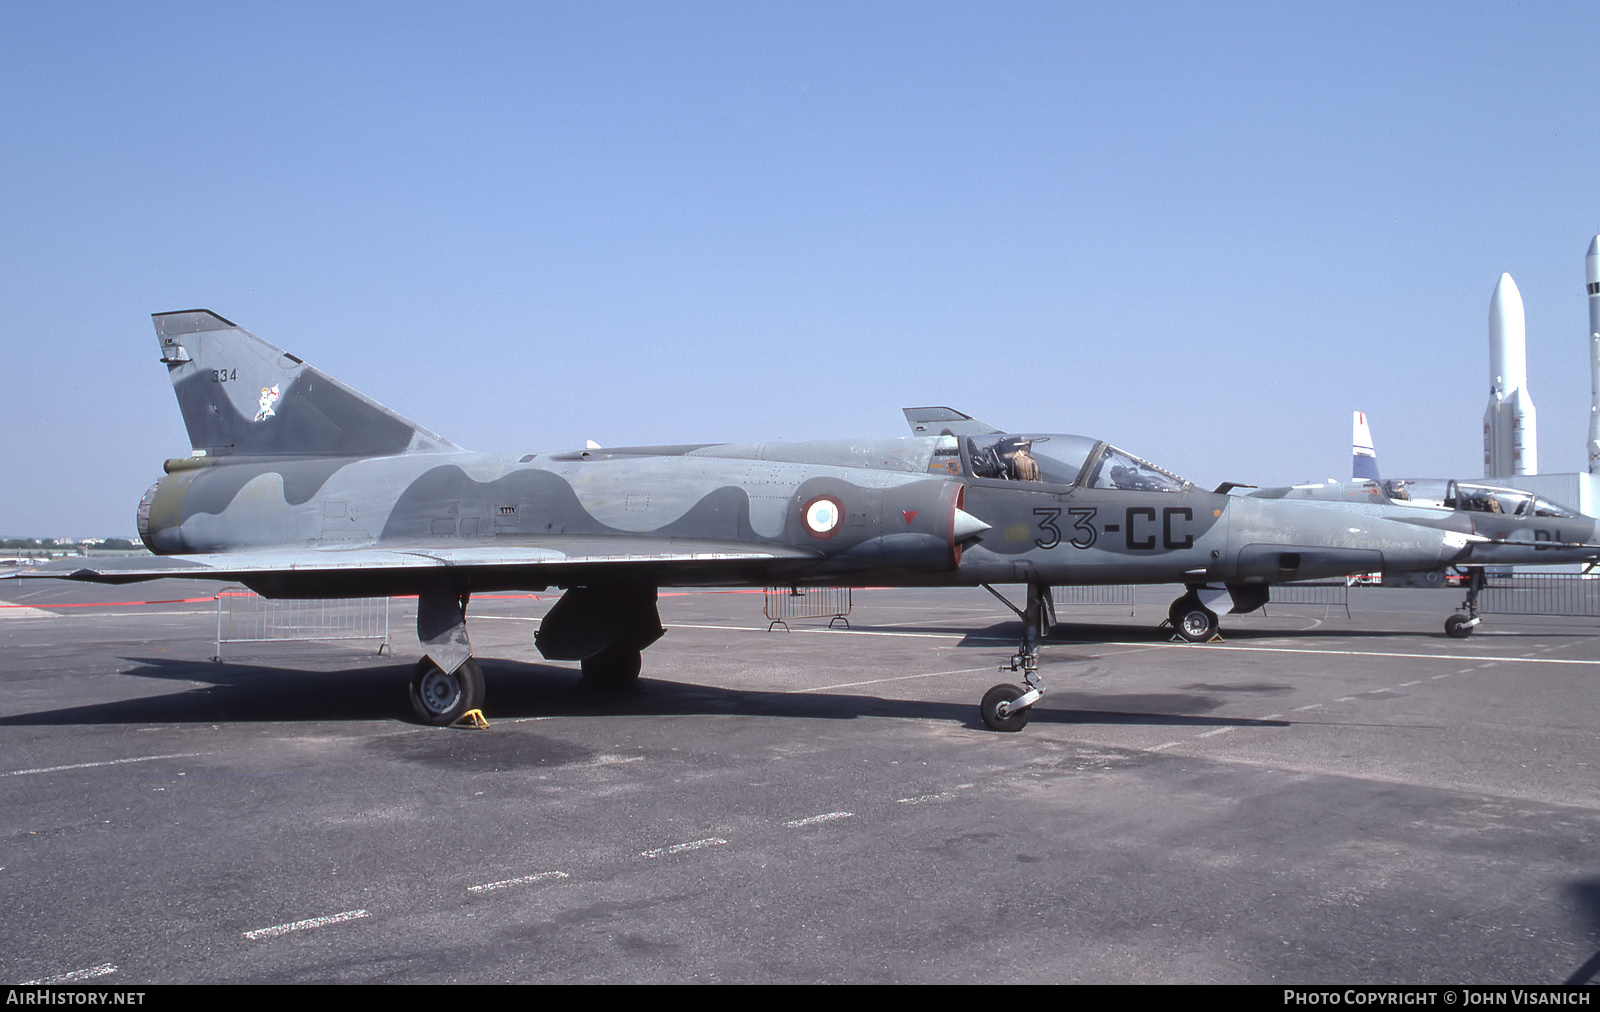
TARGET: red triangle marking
(908,515)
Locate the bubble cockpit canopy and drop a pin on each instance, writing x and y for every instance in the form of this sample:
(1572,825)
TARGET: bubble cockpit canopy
(1470,497)
(1060,459)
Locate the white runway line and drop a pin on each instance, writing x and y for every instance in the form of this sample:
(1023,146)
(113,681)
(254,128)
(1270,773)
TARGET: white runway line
(1158,646)
(1363,653)
(679,848)
(607,760)
(305,925)
(1213,734)
(895,678)
(1163,746)
(10,610)
(109,762)
(919,799)
(855,632)
(489,887)
(72,976)
(813,820)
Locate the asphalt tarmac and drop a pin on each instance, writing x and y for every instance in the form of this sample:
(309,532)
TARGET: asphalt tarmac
(1318,799)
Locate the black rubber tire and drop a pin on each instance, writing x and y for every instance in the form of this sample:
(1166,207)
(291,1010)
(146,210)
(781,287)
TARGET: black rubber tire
(1456,626)
(613,670)
(1180,605)
(1196,623)
(1016,720)
(440,699)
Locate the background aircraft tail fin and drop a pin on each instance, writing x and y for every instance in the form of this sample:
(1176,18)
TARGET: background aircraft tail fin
(1364,457)
(241,396)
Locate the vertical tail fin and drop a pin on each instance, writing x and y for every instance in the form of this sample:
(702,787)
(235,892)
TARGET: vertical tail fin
(241,396)
(1364,462)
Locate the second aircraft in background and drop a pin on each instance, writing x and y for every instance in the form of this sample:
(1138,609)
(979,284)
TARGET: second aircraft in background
(1510,526)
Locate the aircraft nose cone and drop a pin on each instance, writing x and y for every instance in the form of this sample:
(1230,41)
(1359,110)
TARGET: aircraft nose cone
(966,525)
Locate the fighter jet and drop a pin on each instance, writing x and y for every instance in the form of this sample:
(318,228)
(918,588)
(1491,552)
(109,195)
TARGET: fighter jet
(299,487)
(1509,527)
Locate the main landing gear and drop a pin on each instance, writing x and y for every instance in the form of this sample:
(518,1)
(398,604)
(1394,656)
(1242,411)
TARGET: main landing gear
(1007,707)
(447,683)
(1461,626)
(605,627)
(1191,619)
(438,698)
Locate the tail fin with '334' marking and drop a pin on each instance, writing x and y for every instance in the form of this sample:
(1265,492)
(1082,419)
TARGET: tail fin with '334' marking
(241,396)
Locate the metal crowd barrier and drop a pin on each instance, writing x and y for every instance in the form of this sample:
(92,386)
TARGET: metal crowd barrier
(245,617)
(1329,594)
(1109,594)
(783,603)
(1567,594)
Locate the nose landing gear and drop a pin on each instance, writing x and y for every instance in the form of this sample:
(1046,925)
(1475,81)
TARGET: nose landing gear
(1007,707)
(1460,626)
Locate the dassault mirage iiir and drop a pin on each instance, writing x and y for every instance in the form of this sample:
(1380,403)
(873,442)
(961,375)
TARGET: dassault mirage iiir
(300,487)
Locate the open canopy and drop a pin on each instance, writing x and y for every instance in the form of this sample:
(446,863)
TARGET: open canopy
(1061,459)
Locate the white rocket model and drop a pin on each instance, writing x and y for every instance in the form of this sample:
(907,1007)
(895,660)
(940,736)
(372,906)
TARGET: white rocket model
(1510,431)
(1591,275)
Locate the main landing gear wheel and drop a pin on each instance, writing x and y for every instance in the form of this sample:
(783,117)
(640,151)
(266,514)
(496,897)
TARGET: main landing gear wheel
(1192,620)
(1459,626)
(613,670)
(997,712)
(440,699)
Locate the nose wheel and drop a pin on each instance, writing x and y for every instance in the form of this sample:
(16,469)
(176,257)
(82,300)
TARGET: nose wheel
(1460,626)
(1008,707)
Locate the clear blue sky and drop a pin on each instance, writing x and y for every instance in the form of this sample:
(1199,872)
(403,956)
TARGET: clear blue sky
(1203,231)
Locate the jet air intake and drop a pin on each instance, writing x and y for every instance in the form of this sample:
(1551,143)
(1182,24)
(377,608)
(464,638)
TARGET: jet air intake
(917,526)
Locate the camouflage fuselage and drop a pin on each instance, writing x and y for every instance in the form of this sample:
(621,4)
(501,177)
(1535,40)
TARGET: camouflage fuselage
(895,505)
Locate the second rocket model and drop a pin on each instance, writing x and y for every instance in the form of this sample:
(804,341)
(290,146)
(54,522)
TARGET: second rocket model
(1591,276)
(1510,432)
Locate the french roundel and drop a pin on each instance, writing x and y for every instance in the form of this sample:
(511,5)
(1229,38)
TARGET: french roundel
(822,516)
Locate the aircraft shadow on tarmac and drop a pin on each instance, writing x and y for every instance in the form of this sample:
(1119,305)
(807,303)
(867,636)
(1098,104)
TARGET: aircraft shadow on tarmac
(1585,895)
(242,692)
(1006,633)
(1335,628)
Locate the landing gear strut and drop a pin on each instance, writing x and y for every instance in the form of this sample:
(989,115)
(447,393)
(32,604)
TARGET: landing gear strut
(1461,626)
(447,682)
(1007,707)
